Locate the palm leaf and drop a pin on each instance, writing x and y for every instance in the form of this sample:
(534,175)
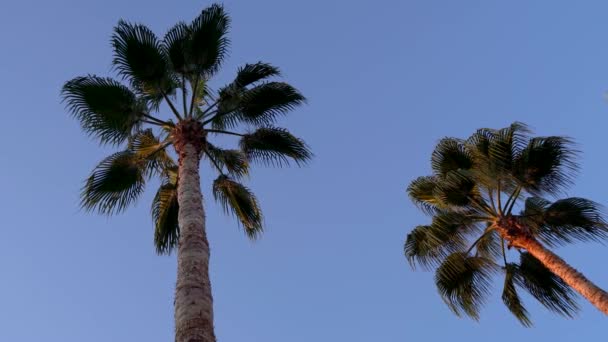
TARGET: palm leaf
(546,287)
(422,192)
(146,146)
(251,73)
(115,183)
(572,219)
(546,165)
(175,46)
(274,146)
(464,283)
(259,106)
(165,209)
(450,155)
(241,202)
(138,57)
(105,108)
(511,298)
(488,245)
(208,42)
(234,161)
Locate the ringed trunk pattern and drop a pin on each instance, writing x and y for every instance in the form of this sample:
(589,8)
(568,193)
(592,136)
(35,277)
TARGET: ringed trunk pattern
(519,237)
(193,299)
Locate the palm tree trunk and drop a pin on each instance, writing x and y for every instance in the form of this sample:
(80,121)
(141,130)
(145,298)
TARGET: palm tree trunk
(193,300)
(572,277)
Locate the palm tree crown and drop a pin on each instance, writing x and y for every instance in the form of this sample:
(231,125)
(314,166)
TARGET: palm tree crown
(175,71)
(485,196)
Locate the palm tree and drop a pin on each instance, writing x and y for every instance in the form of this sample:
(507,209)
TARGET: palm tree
(159,74)
(472,197)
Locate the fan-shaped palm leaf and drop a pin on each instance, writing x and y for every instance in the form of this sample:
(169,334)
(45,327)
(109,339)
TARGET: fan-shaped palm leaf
(546,287)
(511,298)
(138,57)
(208,42)
(164,212)
(235,161)
(274,146)
(464,283)
(105,108)
(546,165)
(240,201)
(114,184)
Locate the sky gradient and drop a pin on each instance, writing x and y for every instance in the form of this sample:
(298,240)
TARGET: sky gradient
(385,81)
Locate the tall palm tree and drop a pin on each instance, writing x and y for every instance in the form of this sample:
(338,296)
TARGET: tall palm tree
(473,195)
(172,75)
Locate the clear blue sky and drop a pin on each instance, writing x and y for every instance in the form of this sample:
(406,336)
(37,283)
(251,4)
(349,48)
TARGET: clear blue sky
(385,79)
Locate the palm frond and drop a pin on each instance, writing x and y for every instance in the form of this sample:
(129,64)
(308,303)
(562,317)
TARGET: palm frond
(422,192)
(464,283)
(138,57)
(165,209)
(241,202)
(570,219)
(209,44)
(457,189)
(235,161)
(251,73)
(274,146)
(146,146)
(115,183)
(511,298)
(259,106)
(546,287)
(450,155)
(105,108)
(175,47)
(546,165)
(427,246)
(488,246)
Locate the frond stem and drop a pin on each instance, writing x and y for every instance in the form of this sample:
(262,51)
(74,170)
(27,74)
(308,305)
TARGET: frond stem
(486,232)
(512,199)
(224,132)
(179,117)
(214,162)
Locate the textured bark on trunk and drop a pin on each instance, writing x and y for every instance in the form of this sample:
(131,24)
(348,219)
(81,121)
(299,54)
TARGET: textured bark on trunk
(519,236)
(193,300)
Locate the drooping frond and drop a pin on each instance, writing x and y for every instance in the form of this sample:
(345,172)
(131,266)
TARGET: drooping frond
(274,146)
(175,46)
(464,283)
(115,183)
(422,192)
(488,246)
(209,43)
(235,161)
(571,219)
(427,246)
(546,287)
(241,202)
(105,108)
(546,165)
(450,155)
(138,57)
(511,298)
(165,210)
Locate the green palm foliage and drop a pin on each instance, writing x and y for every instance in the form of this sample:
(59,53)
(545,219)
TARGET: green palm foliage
(163,82)
(478,183)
